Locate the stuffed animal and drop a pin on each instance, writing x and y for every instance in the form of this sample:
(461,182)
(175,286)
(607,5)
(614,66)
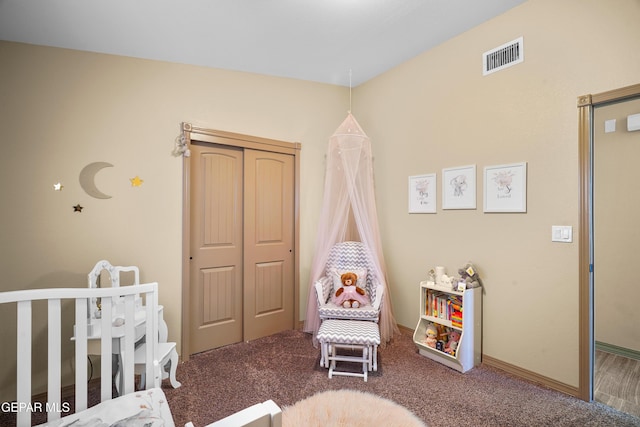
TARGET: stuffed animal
(432,336)
(452,344)
(447,281)
(350,295)
(469,275)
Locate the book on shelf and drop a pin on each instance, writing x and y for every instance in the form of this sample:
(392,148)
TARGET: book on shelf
(443,305)
(456,319)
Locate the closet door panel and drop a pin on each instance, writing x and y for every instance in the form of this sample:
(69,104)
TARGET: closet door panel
(216,267)
(269,244)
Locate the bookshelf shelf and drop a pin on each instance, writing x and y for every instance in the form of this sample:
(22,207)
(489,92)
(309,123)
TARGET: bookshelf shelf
(450,311)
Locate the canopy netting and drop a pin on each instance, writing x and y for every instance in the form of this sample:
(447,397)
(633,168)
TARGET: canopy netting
(349,213)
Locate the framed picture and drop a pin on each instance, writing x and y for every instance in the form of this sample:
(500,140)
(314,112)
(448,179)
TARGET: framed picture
(505,188)
(459,187)
(422,193)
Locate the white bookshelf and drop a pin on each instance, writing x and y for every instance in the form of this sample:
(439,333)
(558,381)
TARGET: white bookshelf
(469,351)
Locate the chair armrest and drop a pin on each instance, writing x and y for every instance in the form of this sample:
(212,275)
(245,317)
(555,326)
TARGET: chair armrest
(379,294)
(323,290)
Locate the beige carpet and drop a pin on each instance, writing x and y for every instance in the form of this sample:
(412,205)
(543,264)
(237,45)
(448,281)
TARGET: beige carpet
(348,408)
(285,368)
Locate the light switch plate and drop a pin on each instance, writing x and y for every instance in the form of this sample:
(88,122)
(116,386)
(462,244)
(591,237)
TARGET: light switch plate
(562,233)
(609,126)
(633,122)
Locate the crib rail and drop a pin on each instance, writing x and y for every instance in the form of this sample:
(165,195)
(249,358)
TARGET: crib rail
(54,297)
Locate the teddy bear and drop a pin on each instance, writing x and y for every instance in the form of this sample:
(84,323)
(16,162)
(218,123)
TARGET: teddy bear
(469,275)
(350,295)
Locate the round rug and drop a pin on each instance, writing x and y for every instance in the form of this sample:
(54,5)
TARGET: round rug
(348,408)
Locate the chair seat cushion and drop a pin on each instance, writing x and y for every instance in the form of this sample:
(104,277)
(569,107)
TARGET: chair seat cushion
(349,332)
(333,311)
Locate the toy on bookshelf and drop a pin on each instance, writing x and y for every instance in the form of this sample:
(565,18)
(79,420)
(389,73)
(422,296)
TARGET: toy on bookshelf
(432,277)
(469,276)
(441,338)
(431,333)
(452,344)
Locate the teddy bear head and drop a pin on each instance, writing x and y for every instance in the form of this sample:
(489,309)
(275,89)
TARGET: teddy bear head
(349,279)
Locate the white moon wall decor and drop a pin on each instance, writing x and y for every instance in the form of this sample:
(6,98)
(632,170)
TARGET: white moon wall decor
(88,179)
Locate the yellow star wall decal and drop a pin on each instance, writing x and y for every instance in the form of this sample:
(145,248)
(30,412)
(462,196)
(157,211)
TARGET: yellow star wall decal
(58,186)
(136,182)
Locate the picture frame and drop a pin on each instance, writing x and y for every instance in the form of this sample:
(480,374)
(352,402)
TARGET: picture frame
(459,187)
(505,188)
(423,193)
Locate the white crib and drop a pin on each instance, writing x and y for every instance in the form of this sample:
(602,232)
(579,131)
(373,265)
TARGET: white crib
(149,408)
(23,406)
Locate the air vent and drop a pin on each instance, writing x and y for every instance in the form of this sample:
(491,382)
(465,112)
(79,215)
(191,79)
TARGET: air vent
(504,56)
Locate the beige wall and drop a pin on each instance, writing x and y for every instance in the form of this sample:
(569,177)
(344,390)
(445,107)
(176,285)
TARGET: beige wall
(62,109)
(437,111)
(616,235)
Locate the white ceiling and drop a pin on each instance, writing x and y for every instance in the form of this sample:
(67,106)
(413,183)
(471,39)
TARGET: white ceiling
(316,40)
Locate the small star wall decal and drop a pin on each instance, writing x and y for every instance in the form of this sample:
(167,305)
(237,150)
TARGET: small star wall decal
(77,208)
(136,182)
(58,186)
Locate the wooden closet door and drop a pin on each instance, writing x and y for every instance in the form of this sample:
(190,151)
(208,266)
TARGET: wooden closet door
(216,269)
(242,245)
(269,243)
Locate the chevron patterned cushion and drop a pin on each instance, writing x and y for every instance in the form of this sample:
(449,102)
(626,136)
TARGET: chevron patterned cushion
(349,332)
(332,311)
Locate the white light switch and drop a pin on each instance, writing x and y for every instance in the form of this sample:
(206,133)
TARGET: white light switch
(633,122)
(562,233)
(609,126)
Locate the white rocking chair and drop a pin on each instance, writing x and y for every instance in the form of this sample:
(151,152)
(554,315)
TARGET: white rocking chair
(349,257)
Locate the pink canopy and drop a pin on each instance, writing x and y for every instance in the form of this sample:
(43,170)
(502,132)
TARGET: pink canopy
(349,213)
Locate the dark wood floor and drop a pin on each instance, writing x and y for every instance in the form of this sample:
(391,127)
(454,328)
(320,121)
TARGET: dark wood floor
(617,382)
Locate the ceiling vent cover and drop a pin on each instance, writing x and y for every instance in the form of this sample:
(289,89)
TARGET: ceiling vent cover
(502,57)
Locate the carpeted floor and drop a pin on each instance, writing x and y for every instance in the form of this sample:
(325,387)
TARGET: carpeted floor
(285,368)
